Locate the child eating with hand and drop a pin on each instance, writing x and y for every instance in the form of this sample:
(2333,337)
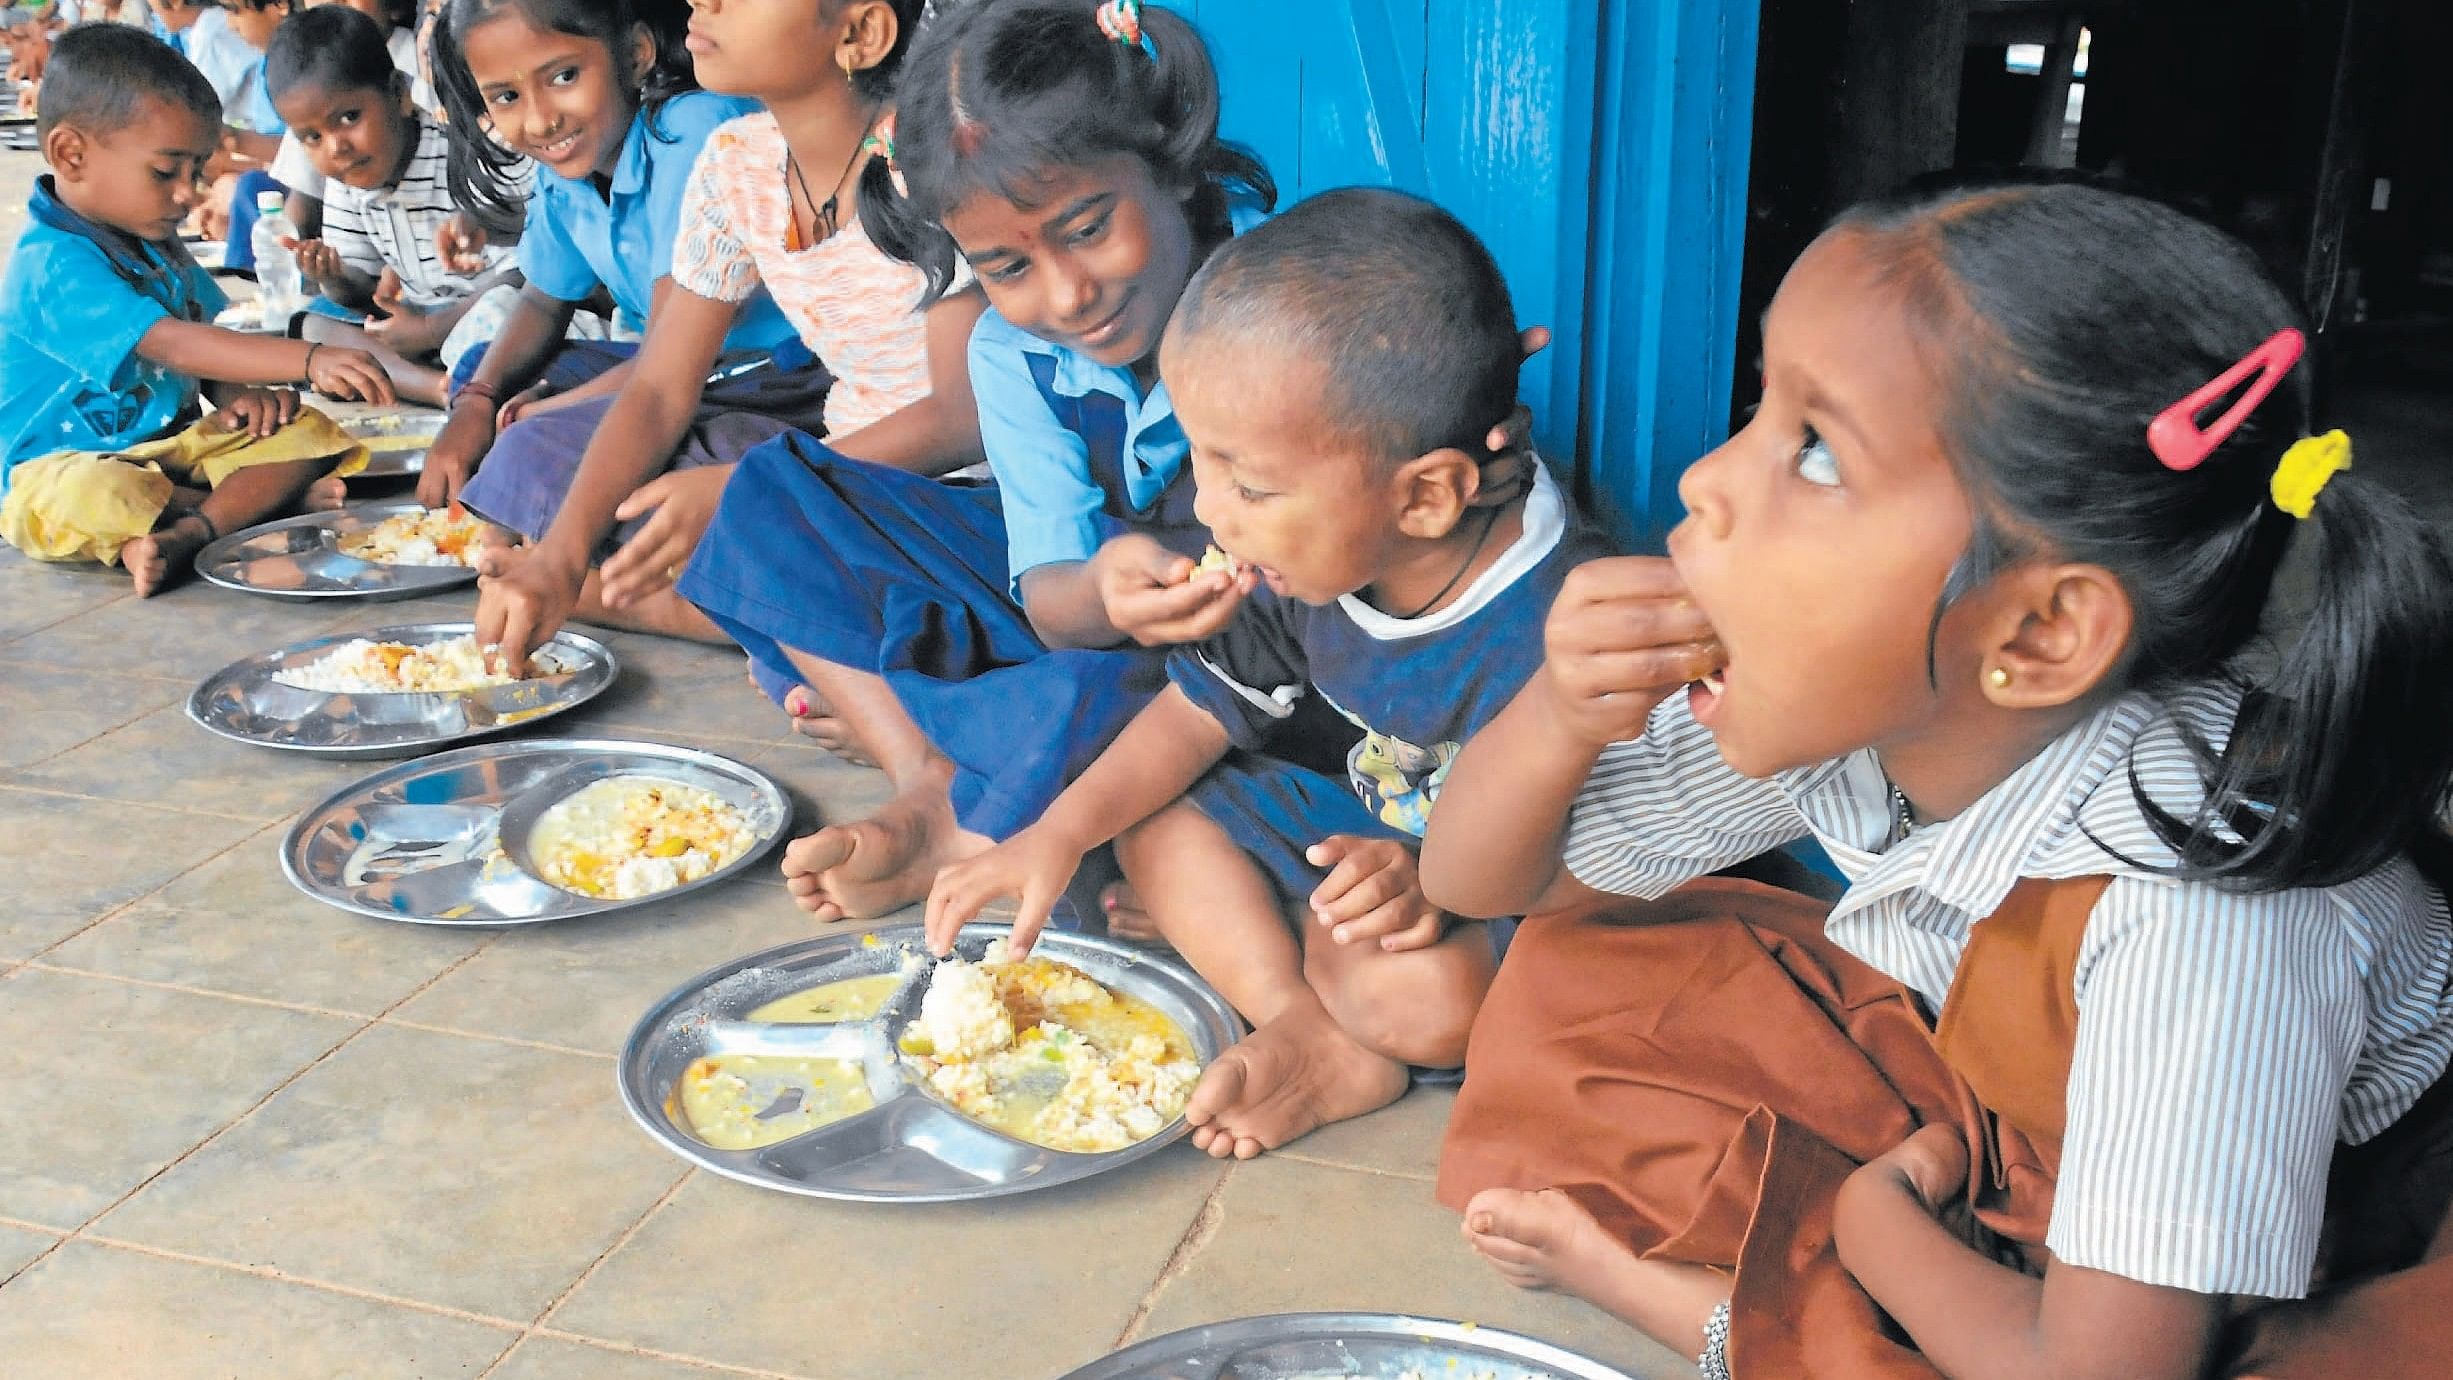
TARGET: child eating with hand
(1338,371)
(105,341)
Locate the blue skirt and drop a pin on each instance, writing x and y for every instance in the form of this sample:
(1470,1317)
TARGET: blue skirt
(882,571)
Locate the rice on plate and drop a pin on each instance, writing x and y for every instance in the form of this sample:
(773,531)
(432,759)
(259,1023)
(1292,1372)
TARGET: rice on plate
(632,836)
(361,667)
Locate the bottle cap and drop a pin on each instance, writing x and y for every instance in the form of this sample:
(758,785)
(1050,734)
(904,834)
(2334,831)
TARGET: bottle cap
(270,203)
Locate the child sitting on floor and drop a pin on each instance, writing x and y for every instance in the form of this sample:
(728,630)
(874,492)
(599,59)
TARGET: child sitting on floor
(2130,1032)
(1338,370)
(104,336)
(381,164)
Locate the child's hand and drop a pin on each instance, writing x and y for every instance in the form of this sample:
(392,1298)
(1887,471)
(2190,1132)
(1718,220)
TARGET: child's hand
(258,411)
(523,403)
(460,243)
(467,434)
(337,371)
(316,259)
(1622,636)
(1152,595)
(524,595)
(1031,868)
(406,329)
(679,505)
(1373,892)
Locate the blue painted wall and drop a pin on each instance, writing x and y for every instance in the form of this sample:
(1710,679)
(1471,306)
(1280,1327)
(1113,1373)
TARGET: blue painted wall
(1598,146)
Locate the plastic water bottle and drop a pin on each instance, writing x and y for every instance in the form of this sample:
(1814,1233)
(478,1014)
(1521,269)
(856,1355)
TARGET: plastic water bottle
(278,284)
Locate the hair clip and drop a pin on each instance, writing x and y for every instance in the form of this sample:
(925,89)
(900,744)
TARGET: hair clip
(880,141)
(1120,20)
(2305,470)
(2176,436)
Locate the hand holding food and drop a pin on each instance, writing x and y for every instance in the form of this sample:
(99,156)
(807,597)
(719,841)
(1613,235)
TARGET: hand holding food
(1159,598)
(1030,868)
(1622,636)
(337,371)
(317,259)
(524,595)
(258,411)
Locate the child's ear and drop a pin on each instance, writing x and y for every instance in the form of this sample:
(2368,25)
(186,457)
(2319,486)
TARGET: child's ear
(869,37)
(642,53)
(1435,490)
(66,148)
(2064,631)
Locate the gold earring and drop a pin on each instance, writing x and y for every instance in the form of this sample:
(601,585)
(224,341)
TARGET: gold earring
(1998,677)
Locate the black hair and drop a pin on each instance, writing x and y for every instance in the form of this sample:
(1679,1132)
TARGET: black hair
(480,167)
(998,93)
(2065,318)
(331,46)
(1399,305)
(101,75)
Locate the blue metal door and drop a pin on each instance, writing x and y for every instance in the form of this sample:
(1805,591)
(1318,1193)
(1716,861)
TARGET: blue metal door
(1597,146)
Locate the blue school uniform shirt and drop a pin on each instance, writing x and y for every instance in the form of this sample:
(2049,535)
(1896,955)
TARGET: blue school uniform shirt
(1416,687)
(1056,506)
(577,239)
(74,302)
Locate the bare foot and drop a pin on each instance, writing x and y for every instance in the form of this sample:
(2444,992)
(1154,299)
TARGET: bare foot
(814,719)
(154,559)
(326,495)
(882,863)
(1546,1240)
(1291,1076)
(1125,917)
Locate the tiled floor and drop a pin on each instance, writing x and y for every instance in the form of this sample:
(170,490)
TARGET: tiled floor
(256,1137)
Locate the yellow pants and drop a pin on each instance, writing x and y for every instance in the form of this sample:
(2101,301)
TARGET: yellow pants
(85,504)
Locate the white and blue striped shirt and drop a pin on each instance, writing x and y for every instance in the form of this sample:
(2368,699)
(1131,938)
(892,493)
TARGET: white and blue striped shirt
(2226,1042)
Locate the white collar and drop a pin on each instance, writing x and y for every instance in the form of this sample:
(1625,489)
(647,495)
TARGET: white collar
(1545,524)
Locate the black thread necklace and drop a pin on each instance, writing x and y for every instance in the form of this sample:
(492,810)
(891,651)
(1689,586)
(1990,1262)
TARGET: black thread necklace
(1490,520)
(821,214)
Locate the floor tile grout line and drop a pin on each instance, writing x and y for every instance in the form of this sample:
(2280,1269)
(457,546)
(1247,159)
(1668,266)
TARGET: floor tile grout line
(1204,1226)
(133,902)
(58,1239)
(313,1064)
(1399,1175)
(259,821)
(83,743)
(326,1286)
(183,989)
(545,1315)
(113,672)
(427,1028)
(555,1334)
(70,617)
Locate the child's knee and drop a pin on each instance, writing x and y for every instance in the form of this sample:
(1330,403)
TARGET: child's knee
(1416,1008)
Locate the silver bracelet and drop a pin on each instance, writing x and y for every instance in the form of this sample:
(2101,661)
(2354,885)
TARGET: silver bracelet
(1714,1363)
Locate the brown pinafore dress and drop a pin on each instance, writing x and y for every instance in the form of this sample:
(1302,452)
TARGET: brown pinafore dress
(1706,1069)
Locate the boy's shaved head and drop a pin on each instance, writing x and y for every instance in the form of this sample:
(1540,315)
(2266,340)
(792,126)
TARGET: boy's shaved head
(1394,301)
(102,74)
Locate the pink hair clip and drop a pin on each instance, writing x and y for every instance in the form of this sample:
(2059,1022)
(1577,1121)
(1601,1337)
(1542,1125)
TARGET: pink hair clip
(2177,437)
(1120,20)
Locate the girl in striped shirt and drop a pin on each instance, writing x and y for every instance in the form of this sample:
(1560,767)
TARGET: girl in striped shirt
(2124,1051)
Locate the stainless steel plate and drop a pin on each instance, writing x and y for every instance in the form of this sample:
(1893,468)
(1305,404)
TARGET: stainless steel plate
(301,558)
(425,841)
(396,442)
(910,1147)
(243,702)
(1369,1346)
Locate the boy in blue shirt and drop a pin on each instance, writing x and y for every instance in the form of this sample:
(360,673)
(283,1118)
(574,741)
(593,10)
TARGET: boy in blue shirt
(1337,371)
(105,338)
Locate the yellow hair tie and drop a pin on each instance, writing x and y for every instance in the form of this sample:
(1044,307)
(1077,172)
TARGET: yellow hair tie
(2305,470)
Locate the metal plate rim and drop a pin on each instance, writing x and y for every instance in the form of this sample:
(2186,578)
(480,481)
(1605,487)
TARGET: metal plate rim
(197,698)
(444,577)
(303,828)
(650,1117)
(1285,1327)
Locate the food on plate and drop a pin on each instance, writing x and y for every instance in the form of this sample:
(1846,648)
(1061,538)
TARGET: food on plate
(744,1101)
(852,999)
(632,836)
(362,667)
(1041,1051)
(428,537)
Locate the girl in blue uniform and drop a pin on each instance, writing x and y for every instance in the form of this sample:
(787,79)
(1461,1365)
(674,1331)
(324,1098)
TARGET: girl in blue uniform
(975,641)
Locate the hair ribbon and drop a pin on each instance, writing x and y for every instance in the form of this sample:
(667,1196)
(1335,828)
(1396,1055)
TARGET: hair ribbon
(1120,20)
(880,141)
(2305,470)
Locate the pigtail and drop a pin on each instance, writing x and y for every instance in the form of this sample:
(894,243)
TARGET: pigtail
(1184,102)
(672,72)
(478,170)
(2343,754)
(901,232)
